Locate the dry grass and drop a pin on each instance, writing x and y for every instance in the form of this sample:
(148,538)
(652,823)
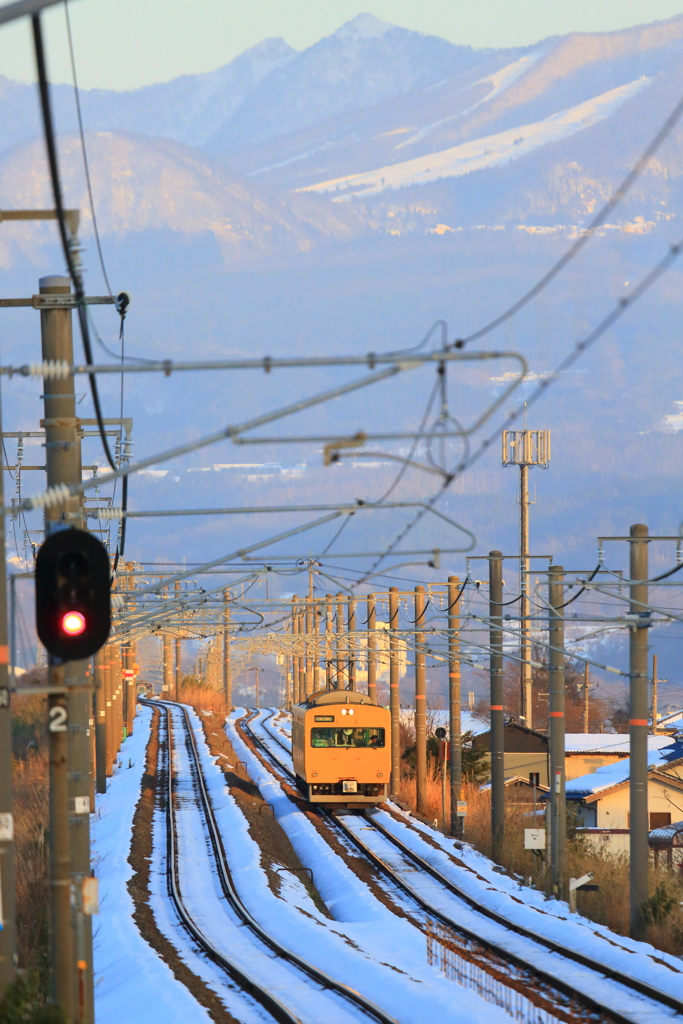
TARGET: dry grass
(203,698)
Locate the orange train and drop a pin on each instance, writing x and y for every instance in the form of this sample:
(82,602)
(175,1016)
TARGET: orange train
(341,748)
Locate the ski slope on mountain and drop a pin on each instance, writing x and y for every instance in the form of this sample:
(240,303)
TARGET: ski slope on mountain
(490,151)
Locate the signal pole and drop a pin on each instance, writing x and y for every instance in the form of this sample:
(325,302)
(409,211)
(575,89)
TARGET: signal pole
(394,694)
(525,448)
(7,871)
(497,704)
(638,668)
(69,750)
(455,764)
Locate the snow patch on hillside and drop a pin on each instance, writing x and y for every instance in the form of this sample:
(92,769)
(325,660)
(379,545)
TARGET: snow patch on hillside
(490,151)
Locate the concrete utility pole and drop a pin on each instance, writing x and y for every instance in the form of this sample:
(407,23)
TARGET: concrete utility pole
(525,448)
(341,646)
(227,675)
(638,725)
(167,685)
(558,831)
(455,765)
(70,775)
(372,646)
(129,663)
(655,704)
(255,669)
(420,701)
(351,626)
(295,651)
(308,626)
(586,696)
(329,641)
(7,873)
(316,652)
(497,703)
(394,693)
(101,720)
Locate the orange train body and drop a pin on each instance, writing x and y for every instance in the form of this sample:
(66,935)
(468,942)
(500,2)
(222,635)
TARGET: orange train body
(341,748)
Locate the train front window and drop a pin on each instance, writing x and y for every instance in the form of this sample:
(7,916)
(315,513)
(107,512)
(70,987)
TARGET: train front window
(358,737)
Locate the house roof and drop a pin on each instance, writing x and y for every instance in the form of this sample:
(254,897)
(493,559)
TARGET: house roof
(608,743)
(594,784)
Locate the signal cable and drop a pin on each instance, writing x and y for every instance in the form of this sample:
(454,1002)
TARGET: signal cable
(614,200)
(48,129)
(624,303)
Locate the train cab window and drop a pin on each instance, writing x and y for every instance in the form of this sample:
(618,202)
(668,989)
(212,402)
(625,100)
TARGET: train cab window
(358,737)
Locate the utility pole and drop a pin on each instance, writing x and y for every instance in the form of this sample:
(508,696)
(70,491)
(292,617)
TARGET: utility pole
(101,720)
(497,703)
(329,633)
(7,872)
(295,650)
(307,642)
(372,647)
(167,684)
(227,675)
(316,652)
(70,759)
(394,693)
(420,700)
(129,663)
(586,696)
(178,654)
(302,651)
(655,704)
(558,832)
(341,672)
(455,765)
(255,669)
(638,670)
(525,448)
(351,627)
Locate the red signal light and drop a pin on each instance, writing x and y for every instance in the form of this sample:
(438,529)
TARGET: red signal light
(73,623)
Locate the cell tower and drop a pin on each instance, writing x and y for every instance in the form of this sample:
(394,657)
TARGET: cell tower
(525,448)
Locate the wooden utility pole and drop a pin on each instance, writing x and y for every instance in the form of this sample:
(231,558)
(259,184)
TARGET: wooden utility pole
(70,765)
(372,646)
(497,732)
(455,764)
(394,694)
(638,702)
(227,673)
(420,702)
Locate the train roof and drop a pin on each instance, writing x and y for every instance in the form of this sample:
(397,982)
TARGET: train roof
(321,697)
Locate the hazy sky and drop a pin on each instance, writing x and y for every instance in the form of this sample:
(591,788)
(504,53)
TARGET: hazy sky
(122,44)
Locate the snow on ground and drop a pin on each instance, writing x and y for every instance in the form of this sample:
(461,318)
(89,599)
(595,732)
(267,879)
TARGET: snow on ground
(366,946)
(490,151)
(132,983)
(498,80)
(529,908)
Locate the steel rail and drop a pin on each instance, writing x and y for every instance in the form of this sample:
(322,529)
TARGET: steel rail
(634,984)
(368,1008)
(278,1010)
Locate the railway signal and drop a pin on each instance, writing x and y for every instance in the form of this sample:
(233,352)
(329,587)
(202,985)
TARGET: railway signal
(73,615)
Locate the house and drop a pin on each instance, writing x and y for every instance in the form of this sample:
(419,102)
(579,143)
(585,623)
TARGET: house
(587,751)
(601,798)
(527,751)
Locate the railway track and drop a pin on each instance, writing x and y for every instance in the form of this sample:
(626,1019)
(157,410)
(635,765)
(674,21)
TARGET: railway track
(281,1012)
(669,1004)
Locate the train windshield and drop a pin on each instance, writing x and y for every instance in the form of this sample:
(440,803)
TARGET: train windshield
(359,737)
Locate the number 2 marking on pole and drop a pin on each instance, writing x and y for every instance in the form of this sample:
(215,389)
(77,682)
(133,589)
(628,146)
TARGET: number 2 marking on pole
(58,720)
